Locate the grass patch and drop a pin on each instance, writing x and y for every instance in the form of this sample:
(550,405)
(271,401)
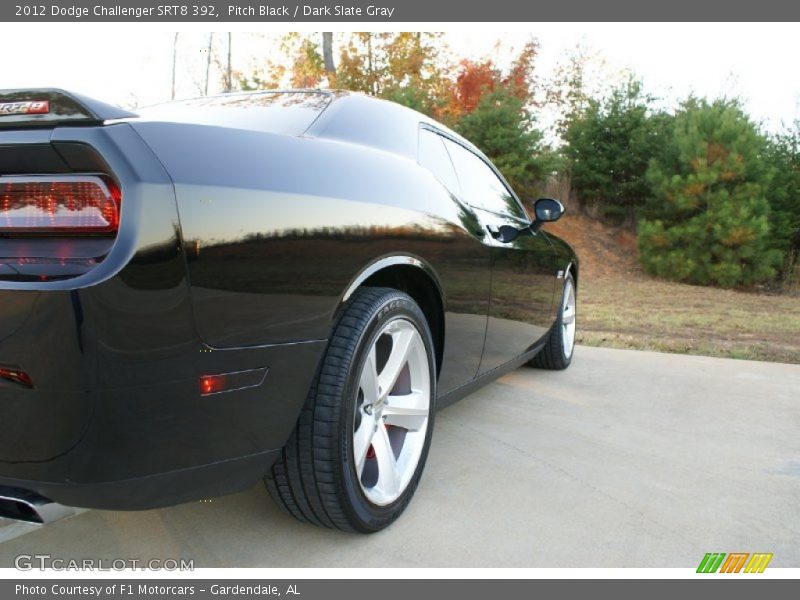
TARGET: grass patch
(646,314)
(620,307)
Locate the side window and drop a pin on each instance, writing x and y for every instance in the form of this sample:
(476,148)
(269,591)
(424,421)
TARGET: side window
(433,156)
(481,187)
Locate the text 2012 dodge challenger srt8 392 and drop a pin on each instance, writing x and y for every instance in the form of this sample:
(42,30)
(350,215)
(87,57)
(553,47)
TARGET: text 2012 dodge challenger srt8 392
(276,285)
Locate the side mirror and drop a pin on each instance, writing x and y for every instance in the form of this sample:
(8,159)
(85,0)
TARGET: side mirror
(546,210)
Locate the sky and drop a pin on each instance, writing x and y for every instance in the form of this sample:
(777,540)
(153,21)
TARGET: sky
(130,64)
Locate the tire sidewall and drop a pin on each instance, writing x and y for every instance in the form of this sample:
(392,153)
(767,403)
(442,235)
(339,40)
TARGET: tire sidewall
(369,516)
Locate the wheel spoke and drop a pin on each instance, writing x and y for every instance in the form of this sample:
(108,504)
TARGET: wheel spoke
(369,378)
(412,419)
(406,411)
(401,346)
(361,443)
(387,464)
(568,316)
(568,340)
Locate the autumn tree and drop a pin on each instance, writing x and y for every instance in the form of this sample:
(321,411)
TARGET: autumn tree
(307,68)
(404,67)
(521,80)
(362,64)
(476,79)
(297,62)
(416,72)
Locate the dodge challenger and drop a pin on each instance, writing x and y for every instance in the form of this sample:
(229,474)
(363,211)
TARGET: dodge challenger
(278,285)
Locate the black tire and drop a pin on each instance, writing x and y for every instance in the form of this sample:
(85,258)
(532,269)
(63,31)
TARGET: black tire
(553,356)
(315,479)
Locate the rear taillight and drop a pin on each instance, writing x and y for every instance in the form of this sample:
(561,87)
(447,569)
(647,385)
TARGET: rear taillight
(58,205)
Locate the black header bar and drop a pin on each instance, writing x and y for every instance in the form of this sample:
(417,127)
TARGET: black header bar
(398,11)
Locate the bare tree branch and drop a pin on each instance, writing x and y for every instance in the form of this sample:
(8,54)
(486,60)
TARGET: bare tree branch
(228,72)
(208,61)
(174,62)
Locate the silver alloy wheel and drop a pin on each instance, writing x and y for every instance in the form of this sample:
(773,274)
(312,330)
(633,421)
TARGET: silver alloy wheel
(568,319)
(392,410)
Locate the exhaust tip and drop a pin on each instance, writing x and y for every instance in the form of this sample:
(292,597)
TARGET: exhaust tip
(25,505)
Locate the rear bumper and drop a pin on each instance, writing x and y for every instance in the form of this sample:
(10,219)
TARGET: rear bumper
(157,490)
(160,443)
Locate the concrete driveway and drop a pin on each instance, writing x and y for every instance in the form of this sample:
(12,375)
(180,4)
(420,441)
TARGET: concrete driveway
(628,459)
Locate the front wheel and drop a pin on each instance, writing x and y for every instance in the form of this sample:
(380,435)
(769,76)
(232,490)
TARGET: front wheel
(358,450)
(560,344)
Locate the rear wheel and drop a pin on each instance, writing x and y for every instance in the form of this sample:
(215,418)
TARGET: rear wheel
(560,344)
(356,455)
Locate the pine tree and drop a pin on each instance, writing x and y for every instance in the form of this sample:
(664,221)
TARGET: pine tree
(708,220)
(783,152)
(609,146)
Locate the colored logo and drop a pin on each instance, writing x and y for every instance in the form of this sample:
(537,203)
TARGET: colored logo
(735,562)
(35,107)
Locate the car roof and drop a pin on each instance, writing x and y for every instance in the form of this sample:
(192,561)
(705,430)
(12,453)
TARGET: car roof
(332,114)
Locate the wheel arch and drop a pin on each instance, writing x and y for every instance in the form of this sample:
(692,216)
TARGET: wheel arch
(416,278)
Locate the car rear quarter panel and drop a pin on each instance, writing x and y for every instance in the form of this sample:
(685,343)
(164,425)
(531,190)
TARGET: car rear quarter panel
(277,227)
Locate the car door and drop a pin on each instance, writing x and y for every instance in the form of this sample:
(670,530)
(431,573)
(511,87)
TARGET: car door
(524,271)
(465,269)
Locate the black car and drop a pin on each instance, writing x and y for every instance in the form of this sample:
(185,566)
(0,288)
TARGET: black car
(276,285)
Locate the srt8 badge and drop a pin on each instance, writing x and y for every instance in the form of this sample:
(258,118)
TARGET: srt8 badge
(32,107)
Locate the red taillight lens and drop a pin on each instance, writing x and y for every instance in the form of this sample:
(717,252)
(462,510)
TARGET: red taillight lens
(58,205)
